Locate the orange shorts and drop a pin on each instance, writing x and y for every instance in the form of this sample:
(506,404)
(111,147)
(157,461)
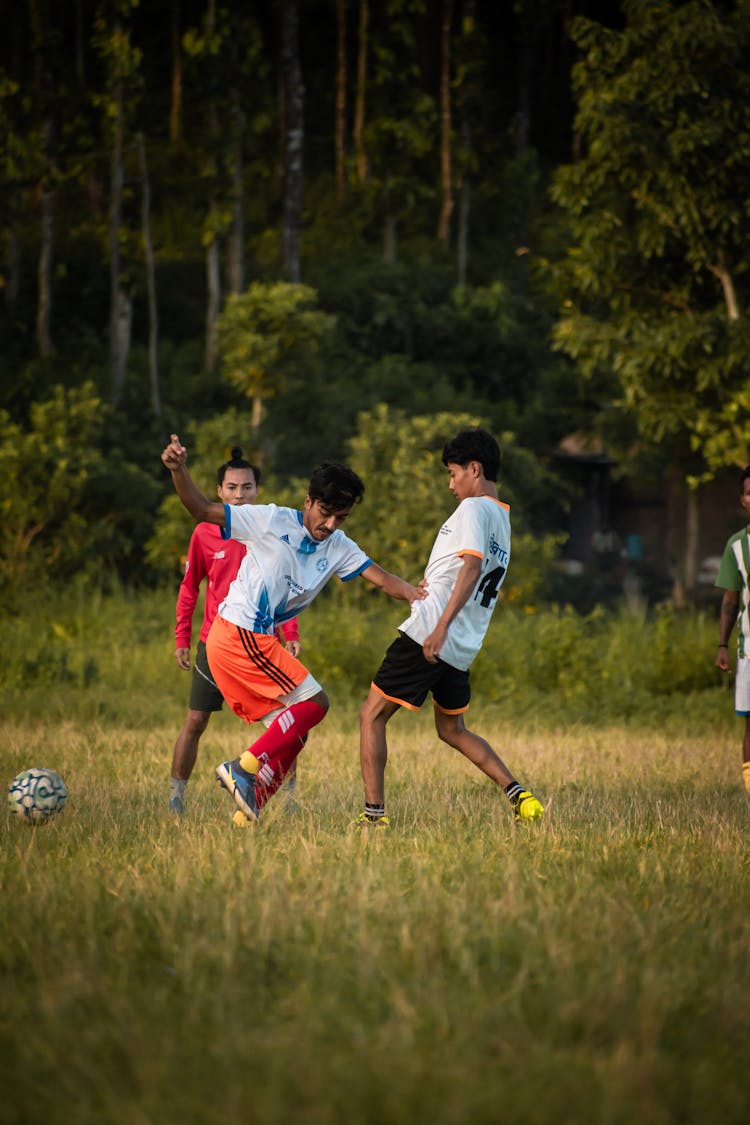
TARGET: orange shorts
(253,671)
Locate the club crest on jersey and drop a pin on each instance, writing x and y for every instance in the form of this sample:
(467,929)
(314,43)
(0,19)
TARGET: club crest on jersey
(321,565)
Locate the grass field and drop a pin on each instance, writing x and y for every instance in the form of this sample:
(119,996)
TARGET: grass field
(594,969)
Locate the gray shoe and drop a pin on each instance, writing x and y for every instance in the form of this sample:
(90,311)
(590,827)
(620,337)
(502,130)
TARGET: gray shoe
(176,805)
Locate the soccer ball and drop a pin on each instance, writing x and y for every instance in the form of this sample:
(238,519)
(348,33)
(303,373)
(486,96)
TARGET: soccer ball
(36,795)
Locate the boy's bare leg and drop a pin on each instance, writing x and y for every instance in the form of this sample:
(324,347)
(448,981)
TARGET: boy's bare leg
(451,729)
(186,747)
(373,748)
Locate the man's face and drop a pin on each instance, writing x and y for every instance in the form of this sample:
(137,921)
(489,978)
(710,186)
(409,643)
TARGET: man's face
(238,487)
(462,479)
(320,522)
(745,496)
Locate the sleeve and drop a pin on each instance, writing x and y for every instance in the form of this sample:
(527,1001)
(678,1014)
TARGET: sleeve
(471,535)
(290,629)
(729,576)
(351,560)
(187,596)
(243,521)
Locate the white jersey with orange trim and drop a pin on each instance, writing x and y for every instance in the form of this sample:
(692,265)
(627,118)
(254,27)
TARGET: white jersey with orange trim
(283,569)
(479,526)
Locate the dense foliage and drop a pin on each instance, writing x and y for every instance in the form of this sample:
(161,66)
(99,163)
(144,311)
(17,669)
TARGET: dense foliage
(274,226)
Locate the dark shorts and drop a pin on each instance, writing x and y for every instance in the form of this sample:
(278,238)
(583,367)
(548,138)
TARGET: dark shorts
(405,677)
(204,694)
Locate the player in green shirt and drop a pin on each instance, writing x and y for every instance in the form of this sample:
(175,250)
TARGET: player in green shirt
(734,579)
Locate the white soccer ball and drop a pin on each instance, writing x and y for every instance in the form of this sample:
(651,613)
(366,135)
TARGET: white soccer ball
(36,795)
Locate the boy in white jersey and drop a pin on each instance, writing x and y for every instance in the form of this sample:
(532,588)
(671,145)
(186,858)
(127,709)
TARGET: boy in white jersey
(438,642)
(734,579)
(290,556)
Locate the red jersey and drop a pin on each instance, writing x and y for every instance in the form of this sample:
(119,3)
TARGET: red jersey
(217,560)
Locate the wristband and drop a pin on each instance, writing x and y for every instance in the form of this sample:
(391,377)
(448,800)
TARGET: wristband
(722,646)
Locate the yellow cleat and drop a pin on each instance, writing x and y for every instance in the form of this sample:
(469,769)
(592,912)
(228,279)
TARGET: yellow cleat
(239,820)
(527,807)
(381,824)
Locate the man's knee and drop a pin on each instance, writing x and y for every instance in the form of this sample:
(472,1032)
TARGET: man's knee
(449,727)
(376,709)
(196,722)
(322,700)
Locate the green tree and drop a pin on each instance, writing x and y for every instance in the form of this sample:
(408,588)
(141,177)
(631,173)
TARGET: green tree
(655,283)
(122,61)
(45,472)
(271,339)
(401,133)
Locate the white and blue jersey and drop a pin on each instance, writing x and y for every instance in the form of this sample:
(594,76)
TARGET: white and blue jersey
(479,526)
(284,569)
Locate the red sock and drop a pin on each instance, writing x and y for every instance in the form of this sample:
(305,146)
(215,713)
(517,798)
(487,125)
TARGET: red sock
(278,748)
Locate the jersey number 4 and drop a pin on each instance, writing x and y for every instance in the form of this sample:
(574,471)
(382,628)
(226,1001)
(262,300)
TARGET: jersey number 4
(489,587)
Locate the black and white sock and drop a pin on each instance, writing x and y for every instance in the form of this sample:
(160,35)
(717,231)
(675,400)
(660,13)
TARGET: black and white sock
(512,791)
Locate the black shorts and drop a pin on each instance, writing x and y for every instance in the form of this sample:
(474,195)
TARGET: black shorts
(405,677)
(204,694)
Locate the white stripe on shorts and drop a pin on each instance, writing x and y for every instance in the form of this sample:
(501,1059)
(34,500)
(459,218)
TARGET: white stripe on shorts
(742,687)
(306,690)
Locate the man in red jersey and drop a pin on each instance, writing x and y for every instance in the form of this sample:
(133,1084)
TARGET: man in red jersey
(217,560)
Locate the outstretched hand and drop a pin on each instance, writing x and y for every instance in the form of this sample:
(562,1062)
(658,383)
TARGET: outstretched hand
(175,454)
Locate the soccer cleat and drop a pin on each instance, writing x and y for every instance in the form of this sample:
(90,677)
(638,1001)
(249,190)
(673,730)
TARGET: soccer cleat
(372,824)
(746,777)
(239,820)
(176,805)
(527,807)
(239,785)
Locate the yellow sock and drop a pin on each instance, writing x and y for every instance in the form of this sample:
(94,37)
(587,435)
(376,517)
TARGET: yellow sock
(249,762)
(746,776)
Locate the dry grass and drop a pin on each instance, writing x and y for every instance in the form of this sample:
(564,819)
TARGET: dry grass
(592,969)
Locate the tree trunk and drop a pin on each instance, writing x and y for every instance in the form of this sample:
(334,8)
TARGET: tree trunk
(341,100)
(467,85)
(359,105)
(175,109)
(236,243)
(525,69)
(464,211)
(43,99)
(446,170)
(727,285)
(294,102)
(80,40)
(44,305)
(118,302)
(211,233)
(213,303)
(692,540)
(13,250)
(390,246)
(153,312)
(123,327)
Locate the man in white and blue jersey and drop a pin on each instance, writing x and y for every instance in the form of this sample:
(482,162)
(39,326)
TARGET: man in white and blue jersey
(289,558)
(734,579)
(438,642)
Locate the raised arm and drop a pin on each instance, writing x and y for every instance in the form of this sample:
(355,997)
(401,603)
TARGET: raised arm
(392,585)
(199,506)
